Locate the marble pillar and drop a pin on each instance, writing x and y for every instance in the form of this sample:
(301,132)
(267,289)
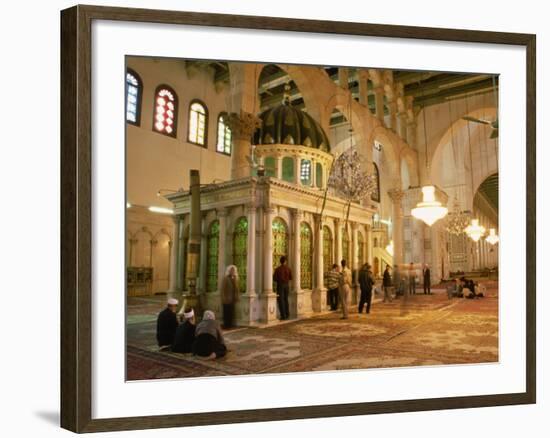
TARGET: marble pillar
(396,195)
(242,127)
(268,297)
(296,298)
(174,253)
(379,103)
(318,298)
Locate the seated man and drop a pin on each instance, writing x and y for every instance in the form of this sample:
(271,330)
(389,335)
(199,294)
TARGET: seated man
(185,334)
(209,342)
(455,289)
(167,323)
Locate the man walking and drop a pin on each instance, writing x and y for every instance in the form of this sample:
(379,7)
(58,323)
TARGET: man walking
(366,281)
(333,282)
(283,276)
(386,284)
(345,289)
(427,280)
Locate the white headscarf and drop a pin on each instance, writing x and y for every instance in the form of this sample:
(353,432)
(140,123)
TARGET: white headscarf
(228,271)
(208,315)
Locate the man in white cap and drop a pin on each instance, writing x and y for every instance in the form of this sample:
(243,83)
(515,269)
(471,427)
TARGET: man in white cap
(185,333)
(167,323)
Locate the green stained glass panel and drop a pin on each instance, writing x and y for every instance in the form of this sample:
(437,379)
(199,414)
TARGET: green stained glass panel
(280,240)
(288,169)
(306,256)
(328,258)
(240,240)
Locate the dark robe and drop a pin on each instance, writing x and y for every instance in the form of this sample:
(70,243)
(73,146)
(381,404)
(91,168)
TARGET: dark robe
(167,323)
(185,336)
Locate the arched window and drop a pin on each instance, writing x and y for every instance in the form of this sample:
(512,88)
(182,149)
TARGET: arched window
(240,239)
(305,172)
(165,114)
(134,90)
(360,249)
(280,240)
(212,257)
(288,169)
(223,143)
(270,165)
(198,123)
(319,175)
(375,195)
(328,258)
(306,256)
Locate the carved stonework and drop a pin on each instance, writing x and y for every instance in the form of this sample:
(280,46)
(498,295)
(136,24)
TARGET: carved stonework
(396,195)
(243,125)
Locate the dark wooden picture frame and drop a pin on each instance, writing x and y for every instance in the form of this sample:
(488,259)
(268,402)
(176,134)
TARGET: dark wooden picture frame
(76,217)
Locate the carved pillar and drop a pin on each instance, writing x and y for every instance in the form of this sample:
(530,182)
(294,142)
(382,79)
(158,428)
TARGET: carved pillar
(203,256)
(379,102)
(364,88)
(343,77)
(392,105)
(295,301)
(396,196)
(280,166)
(251,254)
(411,133)
(242,127)
(181,268)
(297,170)
(402,125)
(369,245)
(269,298)
(318,299)
(222,219)
(354,262)
(174,252)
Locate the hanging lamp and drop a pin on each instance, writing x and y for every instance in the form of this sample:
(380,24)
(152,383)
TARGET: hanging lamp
(474,230)
(492,238)
(428,210)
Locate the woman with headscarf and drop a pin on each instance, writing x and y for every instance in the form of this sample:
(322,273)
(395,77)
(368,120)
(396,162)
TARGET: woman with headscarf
(229,295)
(209,340)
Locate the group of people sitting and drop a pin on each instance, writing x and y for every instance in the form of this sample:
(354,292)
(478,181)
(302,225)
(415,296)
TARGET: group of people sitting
(204,339)
(464,288)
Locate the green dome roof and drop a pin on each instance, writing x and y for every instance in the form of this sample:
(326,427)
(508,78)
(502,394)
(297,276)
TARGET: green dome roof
(285,124)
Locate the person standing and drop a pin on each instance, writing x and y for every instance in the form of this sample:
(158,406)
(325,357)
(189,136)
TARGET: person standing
(167,323)
(283,276)
(229,295)
(427,280)
(333,283)
(386,284)
(366,281)
(344,288)
(412,280)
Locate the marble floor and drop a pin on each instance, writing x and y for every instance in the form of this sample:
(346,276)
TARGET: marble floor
(422,330)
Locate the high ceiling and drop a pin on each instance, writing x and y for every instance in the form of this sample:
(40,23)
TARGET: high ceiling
(489,190)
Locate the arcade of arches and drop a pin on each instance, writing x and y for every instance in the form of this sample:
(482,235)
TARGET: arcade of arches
(263,138)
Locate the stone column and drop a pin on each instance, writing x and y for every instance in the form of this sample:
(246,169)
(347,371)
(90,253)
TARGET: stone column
(396,196)
(313,174)
(379,102)
(402,125)
(364,88)
(392,105)
(343,77)
(318,299)
(242,127)
(297,170)
(338,240)
(174,252)
(201,283)
(296,299)
(181,269)
(411,133)
(251,254)
(279,166)
(269,298)
(370,253)
(354,263)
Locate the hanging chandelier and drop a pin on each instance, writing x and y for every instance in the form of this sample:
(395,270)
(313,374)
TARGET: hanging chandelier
(429,210)
(474,230)
(457,219)
(492,238)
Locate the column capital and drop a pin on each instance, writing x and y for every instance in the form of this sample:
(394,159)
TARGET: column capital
(354,226)
(250,208)
(337,222)
(269,210)
(243,124)
(297,213)
(396,195)
(222,212)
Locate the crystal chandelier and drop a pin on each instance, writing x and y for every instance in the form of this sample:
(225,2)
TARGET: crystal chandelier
(429,210)
(457,220)
(474,230)
(492,238)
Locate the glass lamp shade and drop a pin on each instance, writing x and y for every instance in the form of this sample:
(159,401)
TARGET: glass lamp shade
(429,210)
(474,230)
(492,238)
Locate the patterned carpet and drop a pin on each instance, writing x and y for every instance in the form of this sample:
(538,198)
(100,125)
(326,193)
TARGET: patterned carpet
(423,330)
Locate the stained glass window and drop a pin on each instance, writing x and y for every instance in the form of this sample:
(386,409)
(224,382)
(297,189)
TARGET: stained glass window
(166,110)
(280,240)
(345,247)
(270,165)
(288,169)
(133,97)
(198,118)
(375,195)
(212,257)
(319,175)
(240,241)
(306,256)
(361,249)
(223,144)
(305,172)
(328,258)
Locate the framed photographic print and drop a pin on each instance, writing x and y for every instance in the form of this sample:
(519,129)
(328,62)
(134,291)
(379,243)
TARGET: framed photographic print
(292,218)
